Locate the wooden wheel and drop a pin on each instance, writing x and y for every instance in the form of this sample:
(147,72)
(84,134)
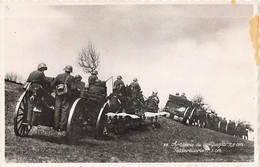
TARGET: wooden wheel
(76,122)
(20,116)
(101,117)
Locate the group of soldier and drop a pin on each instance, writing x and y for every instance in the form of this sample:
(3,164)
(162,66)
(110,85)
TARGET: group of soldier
(183,96)
(65,85)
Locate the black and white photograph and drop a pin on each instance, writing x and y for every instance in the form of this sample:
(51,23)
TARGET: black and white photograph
(122,82)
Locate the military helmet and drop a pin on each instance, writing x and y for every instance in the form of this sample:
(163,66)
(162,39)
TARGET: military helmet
(78,77)
(135,79)
(94,72)
(119,77)
(68,68)
(42,66)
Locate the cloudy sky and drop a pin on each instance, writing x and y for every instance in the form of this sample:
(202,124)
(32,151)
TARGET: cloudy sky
(196,49)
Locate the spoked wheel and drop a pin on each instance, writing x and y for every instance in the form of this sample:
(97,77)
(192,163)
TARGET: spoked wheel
(101,119)
(21,128)
(76,126)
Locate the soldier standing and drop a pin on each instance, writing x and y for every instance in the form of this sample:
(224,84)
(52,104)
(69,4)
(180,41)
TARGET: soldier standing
(92,79)
(39,85)
(63,84)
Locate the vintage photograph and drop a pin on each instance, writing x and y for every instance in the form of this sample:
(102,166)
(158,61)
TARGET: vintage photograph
(130,82)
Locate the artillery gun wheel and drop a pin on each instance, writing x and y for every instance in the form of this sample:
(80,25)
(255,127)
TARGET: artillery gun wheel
(76,125)
(101,119)
(21,128)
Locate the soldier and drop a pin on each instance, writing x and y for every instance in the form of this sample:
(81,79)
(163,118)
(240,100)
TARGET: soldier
(183,96)
(78,78)
(92,79)
(118,84)
(135,87)
(136,91)
(99,87)
(63,83)
(177,94)
(78,86)
(224,125)
(39,86)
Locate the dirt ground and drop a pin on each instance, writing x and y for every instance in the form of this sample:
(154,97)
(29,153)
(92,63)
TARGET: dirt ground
(171,142)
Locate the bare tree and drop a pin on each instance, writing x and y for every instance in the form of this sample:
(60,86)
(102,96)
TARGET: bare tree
(88,59)
(249,127)
(11,77)
(198,99)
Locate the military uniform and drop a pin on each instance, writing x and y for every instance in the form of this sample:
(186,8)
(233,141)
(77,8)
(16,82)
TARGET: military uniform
(99,88)
(118,84)
(38,77)
(62,102)
(135,87)
(183,97)
(39,86)
(92,80)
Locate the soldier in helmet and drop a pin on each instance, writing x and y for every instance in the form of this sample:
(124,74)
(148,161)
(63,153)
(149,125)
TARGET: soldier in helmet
(99,87)
(38,77)
(78,86)
(118,84)
(39,85)
(92,79)
(136,90)
(183,96)
(63,83)
(135,87)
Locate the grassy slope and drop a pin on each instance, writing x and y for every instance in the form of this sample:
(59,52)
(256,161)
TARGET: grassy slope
(45,145)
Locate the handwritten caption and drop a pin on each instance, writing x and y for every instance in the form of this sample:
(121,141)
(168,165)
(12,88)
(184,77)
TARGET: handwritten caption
(209,147)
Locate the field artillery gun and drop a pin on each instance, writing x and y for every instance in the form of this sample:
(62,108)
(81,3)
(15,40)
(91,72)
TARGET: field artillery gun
(183,110)
(80,118)
(89,113)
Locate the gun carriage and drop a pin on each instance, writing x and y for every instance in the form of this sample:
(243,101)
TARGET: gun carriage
(89,113)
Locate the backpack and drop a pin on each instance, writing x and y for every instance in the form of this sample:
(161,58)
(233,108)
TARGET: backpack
(62,89)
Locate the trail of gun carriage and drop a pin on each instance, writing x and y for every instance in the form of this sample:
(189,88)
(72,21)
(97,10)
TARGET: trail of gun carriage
(122,126)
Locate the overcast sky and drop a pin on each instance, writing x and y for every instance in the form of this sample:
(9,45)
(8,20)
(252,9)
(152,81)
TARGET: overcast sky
(196,49)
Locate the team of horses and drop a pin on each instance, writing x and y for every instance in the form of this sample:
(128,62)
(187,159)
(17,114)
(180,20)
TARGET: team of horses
(132,107)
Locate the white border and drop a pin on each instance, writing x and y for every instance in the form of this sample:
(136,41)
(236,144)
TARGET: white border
(110,2)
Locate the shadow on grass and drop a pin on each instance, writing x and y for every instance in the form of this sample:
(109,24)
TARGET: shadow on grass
(51,139)
(63,139)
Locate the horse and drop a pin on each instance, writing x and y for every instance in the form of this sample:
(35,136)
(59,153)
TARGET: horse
(112,105)
(212,121)
(198,117)
(152,105)
(121,101)
(242,131)
(132,102)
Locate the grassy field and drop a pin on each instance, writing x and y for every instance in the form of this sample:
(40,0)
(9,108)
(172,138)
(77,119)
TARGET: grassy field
(168,143)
